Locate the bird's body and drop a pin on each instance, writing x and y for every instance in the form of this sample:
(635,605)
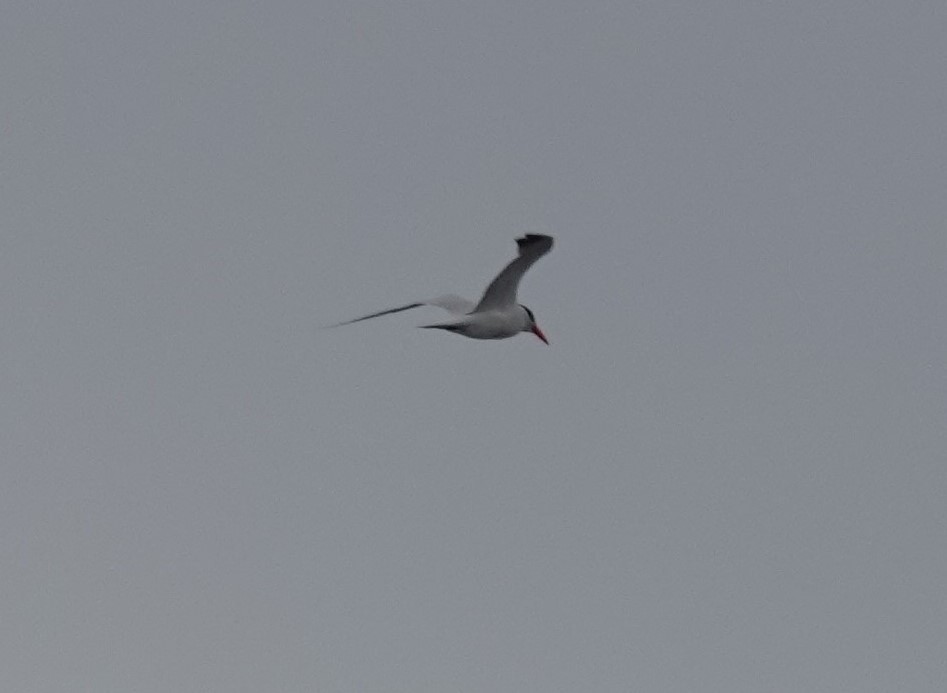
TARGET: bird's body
(490,324)
(497,315)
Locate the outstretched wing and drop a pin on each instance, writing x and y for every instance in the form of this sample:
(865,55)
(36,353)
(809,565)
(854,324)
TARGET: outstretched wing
(502,290)
(450,302)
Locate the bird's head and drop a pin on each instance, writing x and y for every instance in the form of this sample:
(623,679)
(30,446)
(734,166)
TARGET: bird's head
(531,325)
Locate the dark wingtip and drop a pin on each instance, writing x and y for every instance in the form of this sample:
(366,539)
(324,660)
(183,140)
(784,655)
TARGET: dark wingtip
(378,314)
(531,238)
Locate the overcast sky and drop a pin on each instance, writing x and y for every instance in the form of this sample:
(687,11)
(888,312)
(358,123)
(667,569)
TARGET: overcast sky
(727,473)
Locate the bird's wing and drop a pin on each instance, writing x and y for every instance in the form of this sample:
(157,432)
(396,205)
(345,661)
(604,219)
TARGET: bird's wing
(502,290)
(450,302)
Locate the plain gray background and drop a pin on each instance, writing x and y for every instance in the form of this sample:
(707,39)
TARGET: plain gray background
(727,473)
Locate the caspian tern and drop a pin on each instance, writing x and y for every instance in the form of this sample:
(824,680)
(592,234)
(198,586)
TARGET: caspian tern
(497,315)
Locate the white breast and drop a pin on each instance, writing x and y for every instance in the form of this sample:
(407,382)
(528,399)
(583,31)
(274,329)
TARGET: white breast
(496,324)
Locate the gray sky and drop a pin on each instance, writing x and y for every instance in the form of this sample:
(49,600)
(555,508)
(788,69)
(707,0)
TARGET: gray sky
(727,473)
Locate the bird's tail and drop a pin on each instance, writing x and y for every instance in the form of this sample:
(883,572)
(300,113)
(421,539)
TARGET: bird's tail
(450,327)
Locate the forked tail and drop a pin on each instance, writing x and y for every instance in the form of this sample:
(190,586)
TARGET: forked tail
(450,327)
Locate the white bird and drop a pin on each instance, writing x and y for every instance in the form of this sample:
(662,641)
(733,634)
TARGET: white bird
(498,315)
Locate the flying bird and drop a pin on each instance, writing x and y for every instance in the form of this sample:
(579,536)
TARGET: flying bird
(497,315)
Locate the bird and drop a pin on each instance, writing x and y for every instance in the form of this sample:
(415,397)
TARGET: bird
(497,315)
